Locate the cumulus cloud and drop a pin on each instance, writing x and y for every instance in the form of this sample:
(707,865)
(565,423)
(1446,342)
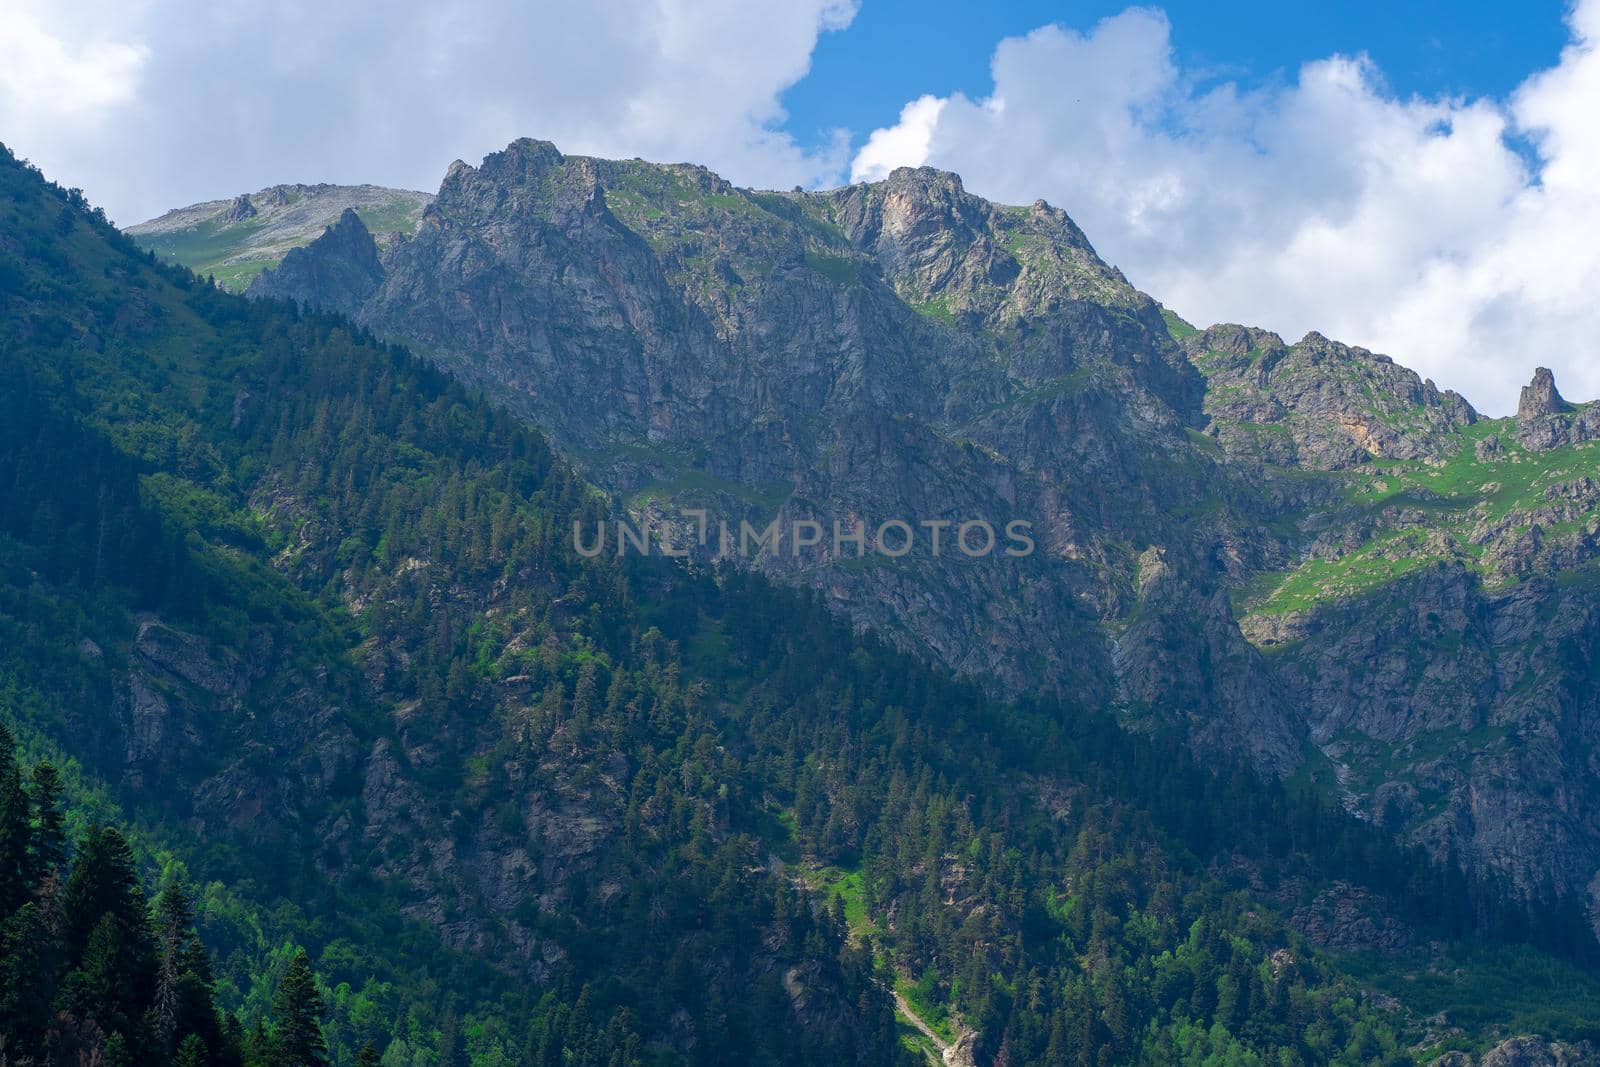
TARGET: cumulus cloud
(188,101)
(60,81)
(1410,226)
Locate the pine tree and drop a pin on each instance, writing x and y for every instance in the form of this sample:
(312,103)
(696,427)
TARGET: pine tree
(256,1047)
(297,1018)
(451,1053)
(95,988)
(49,824)
(16,831)
(115,1052)
(368,1056)
(192,1053)
(230,1049)
(184,999)
(103,881)
(26,980)
(107,943)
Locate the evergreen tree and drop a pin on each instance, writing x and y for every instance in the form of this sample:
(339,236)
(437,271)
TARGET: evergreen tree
(27,979)
(451,1052)
(192,1053)
(49,827)
(103,882)
(184,995)
(107,987)
(16,830)
(297,1039)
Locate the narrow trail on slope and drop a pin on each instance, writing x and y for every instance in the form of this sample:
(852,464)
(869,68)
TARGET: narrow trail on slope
(904,1007)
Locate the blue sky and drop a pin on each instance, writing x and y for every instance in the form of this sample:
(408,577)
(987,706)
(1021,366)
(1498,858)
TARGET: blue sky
(1416,178)
(897,50)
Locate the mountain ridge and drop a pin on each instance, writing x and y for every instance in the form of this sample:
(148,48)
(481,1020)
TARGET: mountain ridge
(689,813)
(1215,510)
(235,239)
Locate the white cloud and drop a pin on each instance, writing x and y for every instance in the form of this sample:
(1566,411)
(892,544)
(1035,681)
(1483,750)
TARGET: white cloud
(892,146)
(66,81)
(197,100)
(1406,225)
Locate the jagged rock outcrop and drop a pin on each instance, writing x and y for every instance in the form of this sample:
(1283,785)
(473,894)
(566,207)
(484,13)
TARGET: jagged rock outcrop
(338,271)
(1539,397)
(1546,421)
(240,209)
(1318,403)
(1346,918)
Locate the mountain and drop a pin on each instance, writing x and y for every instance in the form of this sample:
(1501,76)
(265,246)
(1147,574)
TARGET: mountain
(233,240)
(898,352)
(1303,552)
(1439,622)
(304,614)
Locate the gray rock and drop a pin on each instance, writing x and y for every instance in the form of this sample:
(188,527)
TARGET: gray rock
(240,209)
(338,271)
(1539,397)
(1526,1052)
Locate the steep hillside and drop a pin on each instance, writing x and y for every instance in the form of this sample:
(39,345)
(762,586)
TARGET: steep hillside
(1233,532)
(902,351)
(253,567)
(1438,619)
(311,616)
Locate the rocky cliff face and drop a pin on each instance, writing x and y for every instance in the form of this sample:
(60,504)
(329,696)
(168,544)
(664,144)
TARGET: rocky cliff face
(1317,403)
(897,351)
(339,275)
(1413,581)
(1437,621)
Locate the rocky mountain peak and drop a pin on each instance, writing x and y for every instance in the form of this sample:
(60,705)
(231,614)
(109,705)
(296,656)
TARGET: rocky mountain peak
(1546,420)
(1336,405)
(522,160)
(339,270)
(1236,340)
(927,182)
(350,228)
(240,209)
(1540,397)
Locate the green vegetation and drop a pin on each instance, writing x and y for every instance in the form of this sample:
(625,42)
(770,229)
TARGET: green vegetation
(1176,326)
(1460,497)
(1503,989)
(690,482)
(205,246)
(91,971)
(416,719)
(397,216)
(936,308)
(837,269)
(1377,563)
